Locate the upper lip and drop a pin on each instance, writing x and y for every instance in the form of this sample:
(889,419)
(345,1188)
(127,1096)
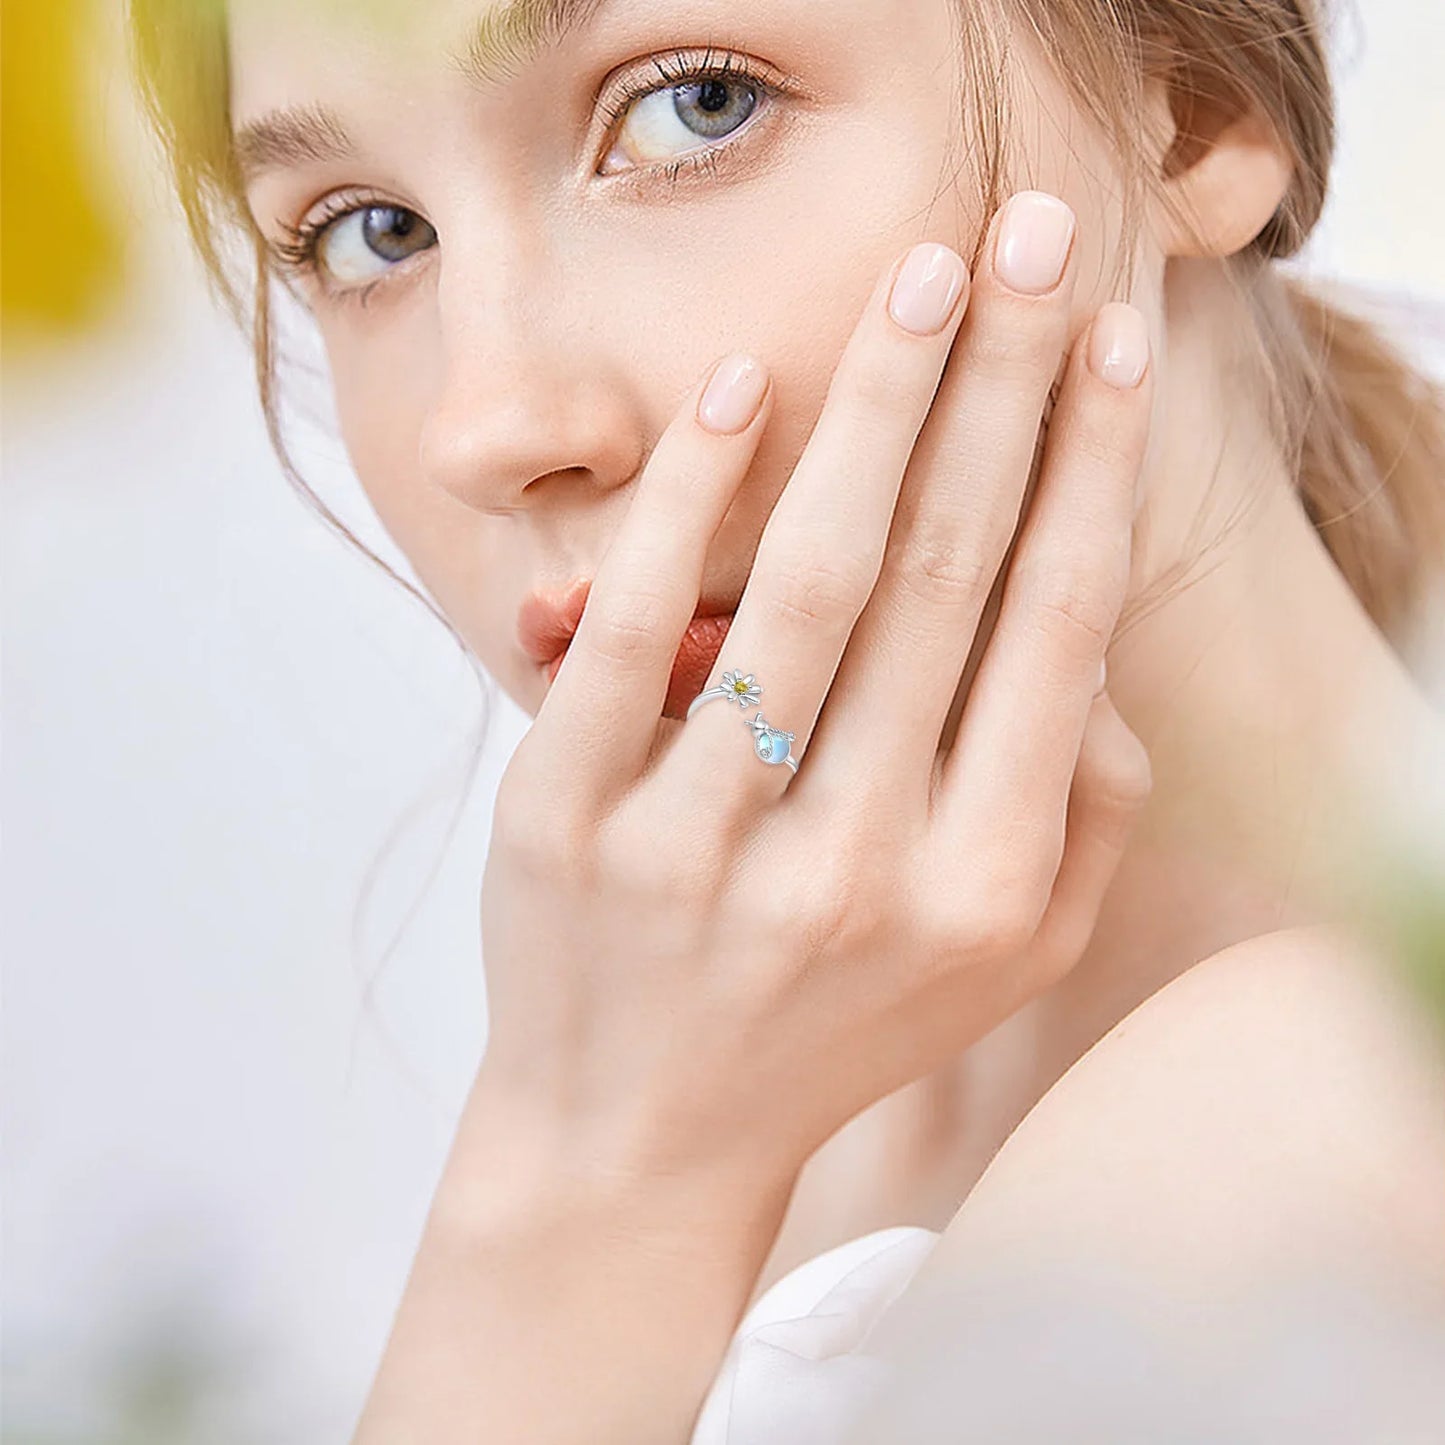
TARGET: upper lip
(548,618)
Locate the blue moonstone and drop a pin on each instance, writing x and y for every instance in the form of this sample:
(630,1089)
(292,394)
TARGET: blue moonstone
(772,747)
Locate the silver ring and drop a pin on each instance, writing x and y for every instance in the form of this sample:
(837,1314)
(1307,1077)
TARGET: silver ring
(772,745)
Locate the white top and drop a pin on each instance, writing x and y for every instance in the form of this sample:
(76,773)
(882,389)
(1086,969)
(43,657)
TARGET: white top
(796,1371)
(1330,1352)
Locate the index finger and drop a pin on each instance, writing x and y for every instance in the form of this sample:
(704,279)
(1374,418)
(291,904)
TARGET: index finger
(646,589)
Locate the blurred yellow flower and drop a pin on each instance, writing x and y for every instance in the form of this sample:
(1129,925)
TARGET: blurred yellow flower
(60,252)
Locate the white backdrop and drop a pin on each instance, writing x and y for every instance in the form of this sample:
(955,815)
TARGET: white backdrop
(217,1155)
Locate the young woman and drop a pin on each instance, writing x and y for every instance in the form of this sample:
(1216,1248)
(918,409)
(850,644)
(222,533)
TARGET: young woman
(861,371)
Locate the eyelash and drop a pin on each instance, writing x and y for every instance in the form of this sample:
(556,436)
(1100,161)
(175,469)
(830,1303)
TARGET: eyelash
(297,254)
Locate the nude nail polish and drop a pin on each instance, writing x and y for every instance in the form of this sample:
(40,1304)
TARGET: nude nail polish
(1034,238)
(733,394)
(927,288)
(1119,345)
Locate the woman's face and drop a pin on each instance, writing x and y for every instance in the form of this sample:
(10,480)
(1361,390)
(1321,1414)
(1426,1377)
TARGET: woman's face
(552,265)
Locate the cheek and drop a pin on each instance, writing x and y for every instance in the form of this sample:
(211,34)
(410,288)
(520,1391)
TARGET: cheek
(384,382)
(379,409)
(863,192)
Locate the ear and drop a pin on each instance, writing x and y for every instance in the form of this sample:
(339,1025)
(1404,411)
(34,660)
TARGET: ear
(1222,169)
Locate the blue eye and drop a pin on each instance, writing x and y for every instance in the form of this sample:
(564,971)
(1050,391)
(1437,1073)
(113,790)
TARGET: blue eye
(662,124)
(361,244)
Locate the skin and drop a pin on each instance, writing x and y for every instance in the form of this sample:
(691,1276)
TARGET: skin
(500,410)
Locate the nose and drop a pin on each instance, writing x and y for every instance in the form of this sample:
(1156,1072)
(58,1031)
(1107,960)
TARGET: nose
(524,391)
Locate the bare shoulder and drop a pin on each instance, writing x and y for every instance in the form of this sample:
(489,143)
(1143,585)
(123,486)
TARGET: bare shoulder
(1283,1099)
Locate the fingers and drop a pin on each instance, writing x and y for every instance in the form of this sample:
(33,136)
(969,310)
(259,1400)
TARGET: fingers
(820,552)
(1008,774)
(957,510)
(1111,784)
(610,690)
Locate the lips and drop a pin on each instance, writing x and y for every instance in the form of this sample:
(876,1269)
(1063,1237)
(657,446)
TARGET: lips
(692,667)
(547,620)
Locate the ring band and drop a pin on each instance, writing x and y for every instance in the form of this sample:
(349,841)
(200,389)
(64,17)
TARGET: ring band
(772,745)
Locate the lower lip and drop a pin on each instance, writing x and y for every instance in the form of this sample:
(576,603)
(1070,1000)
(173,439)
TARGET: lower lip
(691,668)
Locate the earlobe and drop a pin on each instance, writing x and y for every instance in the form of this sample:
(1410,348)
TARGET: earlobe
(1222,178)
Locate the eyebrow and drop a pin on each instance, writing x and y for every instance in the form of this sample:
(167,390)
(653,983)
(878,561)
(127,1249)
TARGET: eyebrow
(287,137)
(510,36)
(504,39)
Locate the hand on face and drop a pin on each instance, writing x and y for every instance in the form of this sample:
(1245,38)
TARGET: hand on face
(694,956)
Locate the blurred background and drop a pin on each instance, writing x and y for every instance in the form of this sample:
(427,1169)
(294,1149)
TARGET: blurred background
(242,985)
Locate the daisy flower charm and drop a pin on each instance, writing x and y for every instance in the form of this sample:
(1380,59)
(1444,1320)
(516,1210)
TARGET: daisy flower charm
(741,690)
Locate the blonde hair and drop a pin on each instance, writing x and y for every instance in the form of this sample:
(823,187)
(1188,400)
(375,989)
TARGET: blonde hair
(1363,431)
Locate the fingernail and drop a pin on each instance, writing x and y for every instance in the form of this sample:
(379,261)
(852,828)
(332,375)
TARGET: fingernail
(927,288)
(733,395)
(1119,345)
(1033,242)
